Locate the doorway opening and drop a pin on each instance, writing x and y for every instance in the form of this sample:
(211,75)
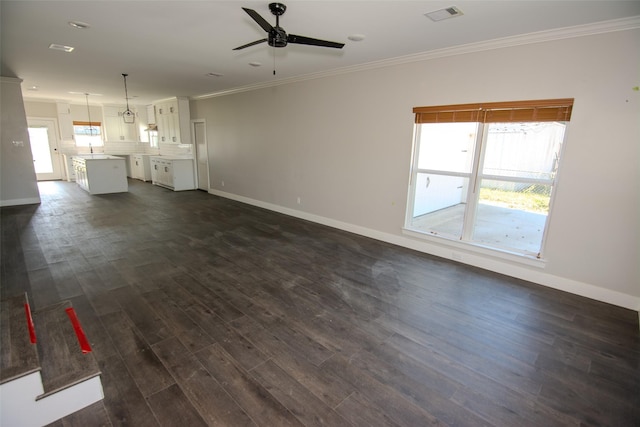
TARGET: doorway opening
(44,149)
(198,130)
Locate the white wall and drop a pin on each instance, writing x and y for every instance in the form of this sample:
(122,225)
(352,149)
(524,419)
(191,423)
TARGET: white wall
(343,145)
(44,109)
(18,185)
(79,112)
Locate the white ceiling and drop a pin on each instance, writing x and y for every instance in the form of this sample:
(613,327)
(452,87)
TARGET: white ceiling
(169,47)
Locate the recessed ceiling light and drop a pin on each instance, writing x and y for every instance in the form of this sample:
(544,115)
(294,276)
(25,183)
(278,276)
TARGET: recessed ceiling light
(255,64)
(356,37)
(61,47)
(215,74)
(32,87)
(79,25)
(446,13)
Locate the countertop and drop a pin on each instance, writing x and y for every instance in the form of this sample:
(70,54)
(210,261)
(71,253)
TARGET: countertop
(163,157)
(98,157)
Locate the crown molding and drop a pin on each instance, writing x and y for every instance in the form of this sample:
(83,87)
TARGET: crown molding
(5,79)
(613,25)
(43,100)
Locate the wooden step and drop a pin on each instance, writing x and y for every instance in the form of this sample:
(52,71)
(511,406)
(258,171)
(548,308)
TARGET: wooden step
(62,359)
(18,355)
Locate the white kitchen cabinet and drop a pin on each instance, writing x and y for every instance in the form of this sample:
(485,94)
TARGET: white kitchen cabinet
(151,114)
(175,173)
(172,119)
(69,171)
(101,173)
(140,167)
(65,121)
(165,118)
(115,129)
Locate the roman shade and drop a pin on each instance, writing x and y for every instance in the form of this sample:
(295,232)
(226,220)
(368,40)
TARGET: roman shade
(545,110)
(82,123)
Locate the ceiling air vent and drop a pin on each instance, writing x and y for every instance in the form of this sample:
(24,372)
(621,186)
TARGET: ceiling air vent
(446,13)
(61,47)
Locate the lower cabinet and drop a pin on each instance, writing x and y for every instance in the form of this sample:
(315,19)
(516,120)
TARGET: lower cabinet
(140,165)
(80,173)
(174,173)
(69,170)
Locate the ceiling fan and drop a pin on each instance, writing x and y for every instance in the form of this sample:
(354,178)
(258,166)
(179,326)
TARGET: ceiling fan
(277,36)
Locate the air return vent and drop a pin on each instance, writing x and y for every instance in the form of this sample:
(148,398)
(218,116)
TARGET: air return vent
(61,47)
(446,13)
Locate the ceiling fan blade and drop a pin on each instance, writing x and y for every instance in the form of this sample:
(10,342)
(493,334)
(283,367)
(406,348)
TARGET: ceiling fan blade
(250,44)
(259,19)
(292,38)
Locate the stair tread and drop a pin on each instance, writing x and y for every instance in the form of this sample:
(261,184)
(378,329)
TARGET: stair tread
(62,360)
(18,356)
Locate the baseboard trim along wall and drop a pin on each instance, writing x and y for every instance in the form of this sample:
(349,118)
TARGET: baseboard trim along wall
(496,265)
(16,202)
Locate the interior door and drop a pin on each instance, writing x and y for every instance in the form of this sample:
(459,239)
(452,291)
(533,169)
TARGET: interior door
(47,159)
(202,159)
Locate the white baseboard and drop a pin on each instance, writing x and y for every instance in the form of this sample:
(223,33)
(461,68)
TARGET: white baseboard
(16,202)
(488,263)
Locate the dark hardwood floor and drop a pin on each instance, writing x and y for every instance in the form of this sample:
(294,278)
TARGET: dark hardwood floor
(205,311)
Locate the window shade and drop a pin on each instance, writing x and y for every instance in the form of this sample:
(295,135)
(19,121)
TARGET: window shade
(79,123)
(545,110)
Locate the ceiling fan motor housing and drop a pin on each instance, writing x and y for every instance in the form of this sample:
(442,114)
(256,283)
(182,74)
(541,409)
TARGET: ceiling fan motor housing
(277,37)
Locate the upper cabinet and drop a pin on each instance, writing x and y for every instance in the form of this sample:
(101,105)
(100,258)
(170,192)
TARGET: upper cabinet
(115,129)
(172,119)
(65,121)
(151,114)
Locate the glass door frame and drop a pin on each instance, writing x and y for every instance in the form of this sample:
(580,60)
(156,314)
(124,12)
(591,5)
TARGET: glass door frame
(54,150)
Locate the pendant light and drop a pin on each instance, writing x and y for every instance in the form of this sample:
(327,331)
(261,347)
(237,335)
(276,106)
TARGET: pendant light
(128,116)
(90,124)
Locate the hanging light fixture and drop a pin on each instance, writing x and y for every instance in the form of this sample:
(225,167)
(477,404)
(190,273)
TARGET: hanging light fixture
(90,124)
(128,116)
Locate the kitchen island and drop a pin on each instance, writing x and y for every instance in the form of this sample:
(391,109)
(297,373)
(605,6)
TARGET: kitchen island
(101,173)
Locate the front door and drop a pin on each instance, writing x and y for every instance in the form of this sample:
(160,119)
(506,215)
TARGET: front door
(202,159)
(44,148)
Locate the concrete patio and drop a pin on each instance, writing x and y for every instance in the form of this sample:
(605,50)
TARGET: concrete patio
(495,226)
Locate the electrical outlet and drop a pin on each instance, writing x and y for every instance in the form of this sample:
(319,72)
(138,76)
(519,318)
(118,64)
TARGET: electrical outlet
(299,200)
(222,183)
